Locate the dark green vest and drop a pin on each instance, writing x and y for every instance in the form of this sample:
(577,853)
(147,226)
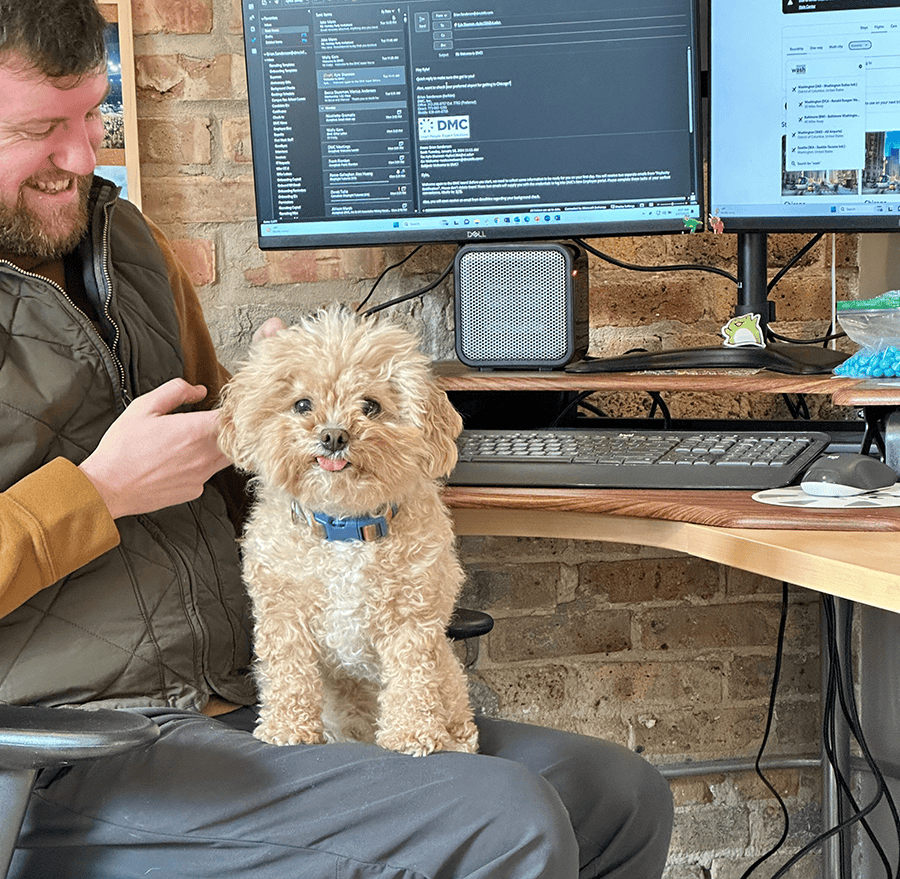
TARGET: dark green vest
(162,618)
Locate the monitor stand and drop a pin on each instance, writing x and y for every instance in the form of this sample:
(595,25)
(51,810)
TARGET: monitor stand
(753,298)
(789,359)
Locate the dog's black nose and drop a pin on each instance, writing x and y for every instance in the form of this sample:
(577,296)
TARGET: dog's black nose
(334,439)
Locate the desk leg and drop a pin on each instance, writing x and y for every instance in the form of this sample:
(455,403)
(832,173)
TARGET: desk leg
(836,850)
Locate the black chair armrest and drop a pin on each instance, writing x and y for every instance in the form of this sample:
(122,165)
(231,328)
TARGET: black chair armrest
(35,738)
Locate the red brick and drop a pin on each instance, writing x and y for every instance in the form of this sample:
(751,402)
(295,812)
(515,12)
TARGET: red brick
(561,634)
(302,266)
(650,579)
(512,587)
(236,139)
(198,256)
(164,16)
(235,17)
(179,77)
(683,627)
(174,141)
(174,200)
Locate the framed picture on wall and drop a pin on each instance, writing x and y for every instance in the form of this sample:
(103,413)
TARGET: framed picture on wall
(118,156)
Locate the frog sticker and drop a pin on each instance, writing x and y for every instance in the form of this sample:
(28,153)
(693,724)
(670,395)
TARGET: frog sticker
(742,331)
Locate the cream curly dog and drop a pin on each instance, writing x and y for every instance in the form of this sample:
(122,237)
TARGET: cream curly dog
(348,553)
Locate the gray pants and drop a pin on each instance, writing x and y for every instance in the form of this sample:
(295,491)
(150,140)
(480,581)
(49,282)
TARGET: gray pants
(209,800)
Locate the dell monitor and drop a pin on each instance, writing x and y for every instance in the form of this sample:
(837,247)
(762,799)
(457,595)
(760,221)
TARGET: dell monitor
(378,123)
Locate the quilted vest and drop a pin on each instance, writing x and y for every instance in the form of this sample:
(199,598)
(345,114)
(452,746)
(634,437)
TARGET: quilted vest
(162,619)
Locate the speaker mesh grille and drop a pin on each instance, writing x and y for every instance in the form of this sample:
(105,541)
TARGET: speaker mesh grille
(513,305)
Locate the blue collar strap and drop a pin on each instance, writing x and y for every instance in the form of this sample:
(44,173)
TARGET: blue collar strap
(357,528)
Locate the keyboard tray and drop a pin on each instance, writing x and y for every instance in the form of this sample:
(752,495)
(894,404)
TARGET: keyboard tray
(650,459)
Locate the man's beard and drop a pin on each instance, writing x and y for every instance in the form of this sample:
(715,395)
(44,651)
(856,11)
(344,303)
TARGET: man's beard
(26,233)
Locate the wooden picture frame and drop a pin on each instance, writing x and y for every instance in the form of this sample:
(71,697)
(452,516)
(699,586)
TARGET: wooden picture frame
(117,158)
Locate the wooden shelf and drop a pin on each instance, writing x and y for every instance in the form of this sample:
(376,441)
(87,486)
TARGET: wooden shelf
(454,376)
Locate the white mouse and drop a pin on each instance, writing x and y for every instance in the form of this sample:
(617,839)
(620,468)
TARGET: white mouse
(846,474)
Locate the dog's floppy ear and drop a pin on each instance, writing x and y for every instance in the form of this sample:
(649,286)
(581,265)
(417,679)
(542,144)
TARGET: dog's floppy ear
(230,437)
(441,428)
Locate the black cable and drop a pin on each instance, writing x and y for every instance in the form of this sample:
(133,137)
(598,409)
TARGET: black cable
(660,403)
(573,403)
(821,340)
(581,397)
(794,259)
(850,694)
(836,684)
(773,693)
(799,410)
(592,408)
(378,280)
(675,268)
(405,298)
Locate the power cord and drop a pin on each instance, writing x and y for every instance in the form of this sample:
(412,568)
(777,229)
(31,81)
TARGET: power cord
(634,268)
(776,676)
(379,279)
(406,297)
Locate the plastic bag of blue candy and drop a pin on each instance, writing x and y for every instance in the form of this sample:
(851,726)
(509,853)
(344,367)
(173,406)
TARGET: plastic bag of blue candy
(874,324)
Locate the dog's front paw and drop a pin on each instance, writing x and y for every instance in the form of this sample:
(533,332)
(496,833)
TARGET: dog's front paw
(424,742)
(276,734)
(464,738)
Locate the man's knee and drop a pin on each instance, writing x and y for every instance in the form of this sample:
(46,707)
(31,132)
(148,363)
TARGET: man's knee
(523,828)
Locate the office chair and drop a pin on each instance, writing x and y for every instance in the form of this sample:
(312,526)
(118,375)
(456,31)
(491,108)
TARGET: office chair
(32,739)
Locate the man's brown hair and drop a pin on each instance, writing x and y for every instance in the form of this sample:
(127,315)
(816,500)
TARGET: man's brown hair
(58,38)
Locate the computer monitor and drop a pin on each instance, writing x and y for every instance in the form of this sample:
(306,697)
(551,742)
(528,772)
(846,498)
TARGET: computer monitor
(804,125)
(805,115)
(377,123)
(804,136)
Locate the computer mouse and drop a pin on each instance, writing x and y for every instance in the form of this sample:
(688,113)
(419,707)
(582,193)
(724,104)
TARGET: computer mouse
(846,474)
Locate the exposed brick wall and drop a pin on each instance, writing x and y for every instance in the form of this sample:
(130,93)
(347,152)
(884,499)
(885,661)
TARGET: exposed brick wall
(662,652)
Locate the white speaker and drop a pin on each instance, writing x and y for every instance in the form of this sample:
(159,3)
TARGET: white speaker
(521,306)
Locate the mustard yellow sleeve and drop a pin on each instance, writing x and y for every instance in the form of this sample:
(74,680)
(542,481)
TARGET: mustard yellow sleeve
(51,523)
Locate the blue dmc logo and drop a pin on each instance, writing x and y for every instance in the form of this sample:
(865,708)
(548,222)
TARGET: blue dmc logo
(443,127)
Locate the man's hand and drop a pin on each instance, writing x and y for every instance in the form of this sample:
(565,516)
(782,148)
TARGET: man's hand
(151,458)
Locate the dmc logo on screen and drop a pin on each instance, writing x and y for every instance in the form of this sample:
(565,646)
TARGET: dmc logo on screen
(443,127)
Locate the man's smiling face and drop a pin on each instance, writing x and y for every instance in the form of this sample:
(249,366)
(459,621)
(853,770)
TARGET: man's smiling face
(50,131)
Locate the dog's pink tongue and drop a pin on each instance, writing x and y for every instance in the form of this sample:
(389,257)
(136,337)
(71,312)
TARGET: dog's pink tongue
(332,464)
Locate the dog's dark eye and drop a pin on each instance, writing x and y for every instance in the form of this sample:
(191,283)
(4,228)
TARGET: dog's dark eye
(303,406)
(371,408)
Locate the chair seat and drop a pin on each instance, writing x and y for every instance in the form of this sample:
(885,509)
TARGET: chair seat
(34,738)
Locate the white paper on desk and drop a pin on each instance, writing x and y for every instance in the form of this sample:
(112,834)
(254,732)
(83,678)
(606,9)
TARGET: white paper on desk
(794,496)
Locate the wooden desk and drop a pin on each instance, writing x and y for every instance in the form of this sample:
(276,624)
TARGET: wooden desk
(853,555)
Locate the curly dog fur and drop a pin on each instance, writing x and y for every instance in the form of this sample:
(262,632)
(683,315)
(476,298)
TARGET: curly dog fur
(339,415)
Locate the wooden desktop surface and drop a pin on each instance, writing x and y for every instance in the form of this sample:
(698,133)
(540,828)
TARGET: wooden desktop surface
(853,554)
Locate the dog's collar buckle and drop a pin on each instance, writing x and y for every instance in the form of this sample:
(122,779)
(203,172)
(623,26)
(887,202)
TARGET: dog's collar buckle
(364,528)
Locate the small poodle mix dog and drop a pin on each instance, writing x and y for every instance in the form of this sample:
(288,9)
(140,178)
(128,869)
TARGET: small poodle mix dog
(348,552)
